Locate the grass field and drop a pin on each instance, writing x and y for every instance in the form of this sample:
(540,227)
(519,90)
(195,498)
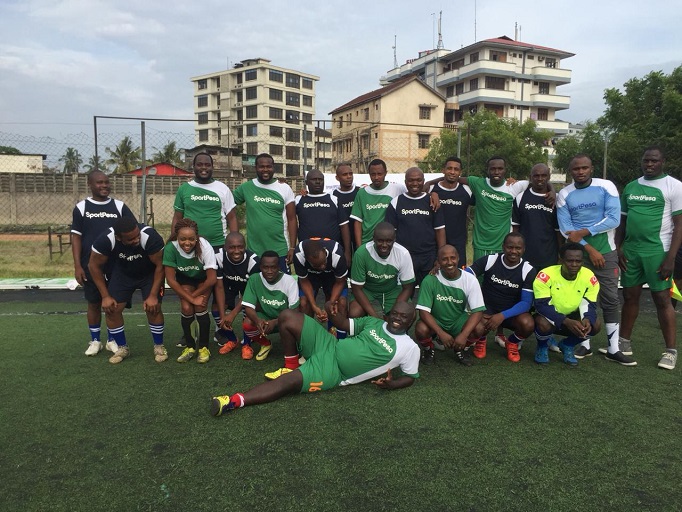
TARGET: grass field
(81,434)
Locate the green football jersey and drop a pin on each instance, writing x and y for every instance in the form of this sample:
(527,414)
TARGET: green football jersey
(207,204)
(492,220)
(266,225)
(272,298)
(189,264)
(448,300)
(650,206)
(379,275)
(370,206)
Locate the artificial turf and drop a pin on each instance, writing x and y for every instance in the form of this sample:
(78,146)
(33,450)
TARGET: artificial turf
(78,433)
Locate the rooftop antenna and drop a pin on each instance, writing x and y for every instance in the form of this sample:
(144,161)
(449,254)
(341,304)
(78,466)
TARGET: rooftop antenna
(433,30)
(475,37)
(395,55)
(440,34)
(516,31)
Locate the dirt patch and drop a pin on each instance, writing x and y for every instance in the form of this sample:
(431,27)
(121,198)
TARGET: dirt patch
(33,237)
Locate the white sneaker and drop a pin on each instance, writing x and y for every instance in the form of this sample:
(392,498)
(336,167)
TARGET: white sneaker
(93,348)
(160,353)
(437,344)
(668,361)
(111,346)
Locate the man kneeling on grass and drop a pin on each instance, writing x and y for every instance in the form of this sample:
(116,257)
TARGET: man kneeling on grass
(374,347)
(565,300)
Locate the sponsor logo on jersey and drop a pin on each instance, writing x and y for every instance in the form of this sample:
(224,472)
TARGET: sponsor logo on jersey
(266,199)
(542,277)
(503,282)
(191,267)
(414,211)
(131,257)
(582,206)
(316,204)
(379,206)
(447,298)
(205,197)
(380,276)
(495,197)
(632,197)
(349,205)
(593,280)
(273,302)
(538,207)
(453,202)
(239,279)
(100,215)
(381,341)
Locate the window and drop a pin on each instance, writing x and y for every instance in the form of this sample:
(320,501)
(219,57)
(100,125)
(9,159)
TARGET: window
(423,140)
(530,57)
(494,82)
(278,168)
(349,145)
(202,118)
(458,64)
(250,75)
(276,76)
(543,114)
(203,135)
(202,101)
(293,169)
(473,84)
(473,57)
(293,99)
(309,152)
(239,78)
(276,113)
(424,113)
(251,130)
(276,131)
(292,117)
(240,114)
(339,122)
(459,88)
(252,148)
(251,93)
(308,135)
(293,81)
(450,91)
(364,140)
(307,101)
(239,96)
(252,112)
(202,84)
(498,56)
(275,149)
(550,62)
(216,82)
(275,95)
(307,83)
(543,87)
(240,132)
(293,153)
(293,135)
(307,118)
(365,114)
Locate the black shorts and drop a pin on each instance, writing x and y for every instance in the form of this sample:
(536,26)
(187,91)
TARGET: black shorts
(324,282)
(423,264)
(122,287)
(91,291)
(184,280)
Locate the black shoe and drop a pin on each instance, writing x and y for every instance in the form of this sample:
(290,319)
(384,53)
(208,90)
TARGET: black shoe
(428,355)
(462,357)
(182,343)
(220,339)
(620,358)
(581,352)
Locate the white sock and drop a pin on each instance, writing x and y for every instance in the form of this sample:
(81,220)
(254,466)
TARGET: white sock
(612,335)
(585,343)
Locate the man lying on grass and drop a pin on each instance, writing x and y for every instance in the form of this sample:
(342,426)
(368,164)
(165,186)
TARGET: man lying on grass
(373,348)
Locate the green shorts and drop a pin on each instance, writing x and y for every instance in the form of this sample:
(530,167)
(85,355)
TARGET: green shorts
(454,328)
(479,253)
(643,268)
(320,370)
(382,301)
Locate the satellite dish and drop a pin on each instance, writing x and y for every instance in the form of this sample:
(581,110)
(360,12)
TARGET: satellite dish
(152,171)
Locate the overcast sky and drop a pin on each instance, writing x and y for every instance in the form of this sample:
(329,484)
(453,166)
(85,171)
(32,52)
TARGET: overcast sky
(63,61)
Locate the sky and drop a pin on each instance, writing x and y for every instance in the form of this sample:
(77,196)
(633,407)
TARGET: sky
(64,61)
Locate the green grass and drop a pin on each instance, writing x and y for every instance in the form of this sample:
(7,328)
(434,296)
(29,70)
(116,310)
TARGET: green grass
(81,434)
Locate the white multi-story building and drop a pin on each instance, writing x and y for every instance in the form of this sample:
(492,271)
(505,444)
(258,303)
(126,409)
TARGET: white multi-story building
(258,108)
(514,79)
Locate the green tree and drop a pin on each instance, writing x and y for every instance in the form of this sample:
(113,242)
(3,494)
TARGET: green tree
(124,157)
(95,163)
(170,154)
(72,160)
(485,135)
(9,150)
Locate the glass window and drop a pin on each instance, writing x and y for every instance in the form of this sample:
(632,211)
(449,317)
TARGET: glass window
(252,112)
(251,74)
(251,93)
(276,76)
(275,95)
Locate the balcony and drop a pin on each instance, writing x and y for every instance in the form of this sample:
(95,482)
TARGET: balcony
(558,127)
(481,67)
(557,75)
(484,95)
(550,100)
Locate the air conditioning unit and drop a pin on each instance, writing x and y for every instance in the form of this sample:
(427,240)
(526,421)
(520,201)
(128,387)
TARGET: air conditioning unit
(541,58)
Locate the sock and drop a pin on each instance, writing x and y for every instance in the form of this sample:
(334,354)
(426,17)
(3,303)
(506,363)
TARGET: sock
(118,335)
(572,341)
(291,362)
(238,400)
(94,332)
(250,330)
(186,323)
(246,340)
(426,343)
(542,338)
(341,335)
(612,336)
(229,334)
(216,318)
(515,339)
(157,333)
(204,326)
(585,342)
(671,350)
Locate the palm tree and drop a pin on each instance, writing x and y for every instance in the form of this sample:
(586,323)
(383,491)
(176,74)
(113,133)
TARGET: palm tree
(170,154)
(95,163)
(124,157)
(72,161)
